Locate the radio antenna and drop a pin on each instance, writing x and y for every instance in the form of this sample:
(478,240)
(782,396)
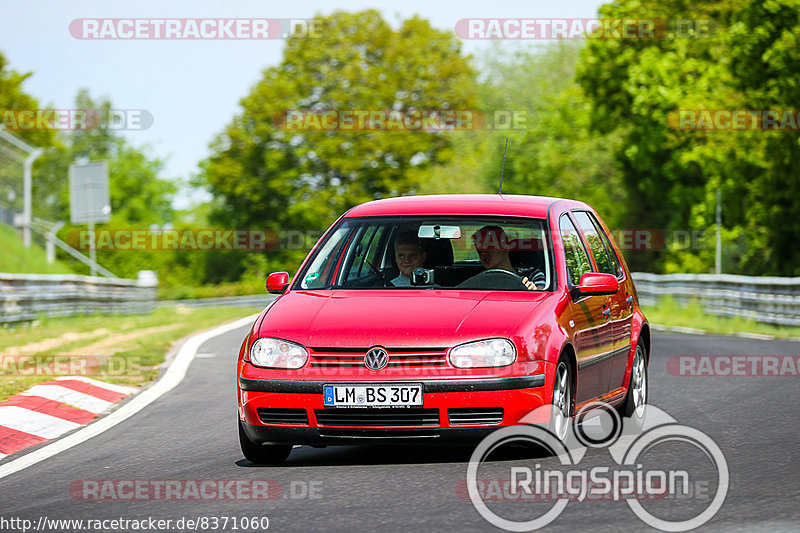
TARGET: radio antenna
(503,168)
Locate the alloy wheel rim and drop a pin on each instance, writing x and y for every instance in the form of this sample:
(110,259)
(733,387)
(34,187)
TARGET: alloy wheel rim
(639,384)
(561,401)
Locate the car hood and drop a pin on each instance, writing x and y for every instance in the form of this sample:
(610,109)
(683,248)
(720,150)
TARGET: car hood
(407,318)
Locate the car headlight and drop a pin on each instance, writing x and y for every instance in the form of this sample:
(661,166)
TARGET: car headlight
(277,353)
(485,353)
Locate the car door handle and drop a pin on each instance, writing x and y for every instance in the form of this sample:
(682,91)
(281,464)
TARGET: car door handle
(607,312)
(629,299)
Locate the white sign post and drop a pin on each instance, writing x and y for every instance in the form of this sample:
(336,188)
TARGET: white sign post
(89,198)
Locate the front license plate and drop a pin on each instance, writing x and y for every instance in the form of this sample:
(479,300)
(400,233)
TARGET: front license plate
(373,395)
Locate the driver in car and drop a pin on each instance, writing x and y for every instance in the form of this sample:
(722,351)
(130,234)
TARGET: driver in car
(492,245)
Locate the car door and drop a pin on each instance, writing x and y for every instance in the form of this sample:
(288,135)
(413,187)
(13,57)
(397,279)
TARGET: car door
(620,303)
(591,314)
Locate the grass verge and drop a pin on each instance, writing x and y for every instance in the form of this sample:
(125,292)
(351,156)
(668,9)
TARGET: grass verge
(17,259)
(221,290)
(668,312)
(124,349)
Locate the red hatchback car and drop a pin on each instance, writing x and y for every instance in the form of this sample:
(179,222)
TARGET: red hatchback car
(442,318)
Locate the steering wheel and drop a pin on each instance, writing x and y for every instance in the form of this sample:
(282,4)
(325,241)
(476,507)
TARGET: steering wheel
(483,280)
(492,270)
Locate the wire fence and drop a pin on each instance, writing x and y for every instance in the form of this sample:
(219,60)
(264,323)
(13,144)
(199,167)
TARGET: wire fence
(6,215)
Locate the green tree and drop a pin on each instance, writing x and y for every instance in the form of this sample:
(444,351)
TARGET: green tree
(765,55)
(672,175)
(13,97)
(556,153)
(268,177)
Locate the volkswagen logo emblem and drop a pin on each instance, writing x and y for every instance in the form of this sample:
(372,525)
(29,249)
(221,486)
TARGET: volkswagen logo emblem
(376,358)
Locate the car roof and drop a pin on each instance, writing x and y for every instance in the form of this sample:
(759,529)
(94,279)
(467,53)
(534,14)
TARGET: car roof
(462,204)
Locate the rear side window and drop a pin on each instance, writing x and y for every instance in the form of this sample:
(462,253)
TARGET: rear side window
(578,262)
(598,242)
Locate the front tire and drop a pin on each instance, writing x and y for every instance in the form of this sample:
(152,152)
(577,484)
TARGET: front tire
(261,454)
(636,398)
(560,417)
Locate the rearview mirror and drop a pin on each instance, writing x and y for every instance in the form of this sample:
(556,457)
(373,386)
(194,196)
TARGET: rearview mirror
(596,284)
(277,282)
(435,231)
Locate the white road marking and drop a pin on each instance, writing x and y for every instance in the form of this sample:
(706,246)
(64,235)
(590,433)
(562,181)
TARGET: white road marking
(70,397)
(171,378)
(679,329)
(108,386)
(34,422)
(759,336)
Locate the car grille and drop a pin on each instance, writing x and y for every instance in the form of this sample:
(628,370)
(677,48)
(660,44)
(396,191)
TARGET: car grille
(377,417)
(475,415)
(294,417)
(398,357)
(378,433)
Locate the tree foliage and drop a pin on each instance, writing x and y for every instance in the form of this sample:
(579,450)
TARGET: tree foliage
(673,175)
(271,177)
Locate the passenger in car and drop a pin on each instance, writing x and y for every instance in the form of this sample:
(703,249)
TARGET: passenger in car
(493,246)
(409,253)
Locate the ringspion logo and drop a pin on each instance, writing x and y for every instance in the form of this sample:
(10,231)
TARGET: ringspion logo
(543,490)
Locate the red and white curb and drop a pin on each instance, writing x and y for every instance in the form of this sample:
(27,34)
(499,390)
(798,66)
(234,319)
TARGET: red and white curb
(50,409)
(169,380)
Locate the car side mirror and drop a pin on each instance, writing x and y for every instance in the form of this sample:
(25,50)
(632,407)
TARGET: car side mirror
(596,284)
(277,282)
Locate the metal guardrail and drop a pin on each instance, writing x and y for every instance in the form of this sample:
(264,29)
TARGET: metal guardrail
(770,300)
(24,296)
(27,296)
(257,300)
(48,230)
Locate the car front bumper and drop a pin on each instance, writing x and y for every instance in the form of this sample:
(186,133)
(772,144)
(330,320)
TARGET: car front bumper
(515,396)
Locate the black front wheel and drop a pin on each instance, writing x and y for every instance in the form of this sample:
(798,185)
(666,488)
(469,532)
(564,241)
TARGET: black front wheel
(561,414)
(635,400)
(261,454)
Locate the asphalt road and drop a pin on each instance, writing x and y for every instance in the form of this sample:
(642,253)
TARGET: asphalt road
(190,434)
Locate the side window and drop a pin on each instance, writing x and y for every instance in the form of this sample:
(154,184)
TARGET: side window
(598,241)
(320,272)
(578,262)
(366,252)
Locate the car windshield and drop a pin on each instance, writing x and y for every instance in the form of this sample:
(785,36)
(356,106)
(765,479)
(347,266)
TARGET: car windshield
(476,253)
